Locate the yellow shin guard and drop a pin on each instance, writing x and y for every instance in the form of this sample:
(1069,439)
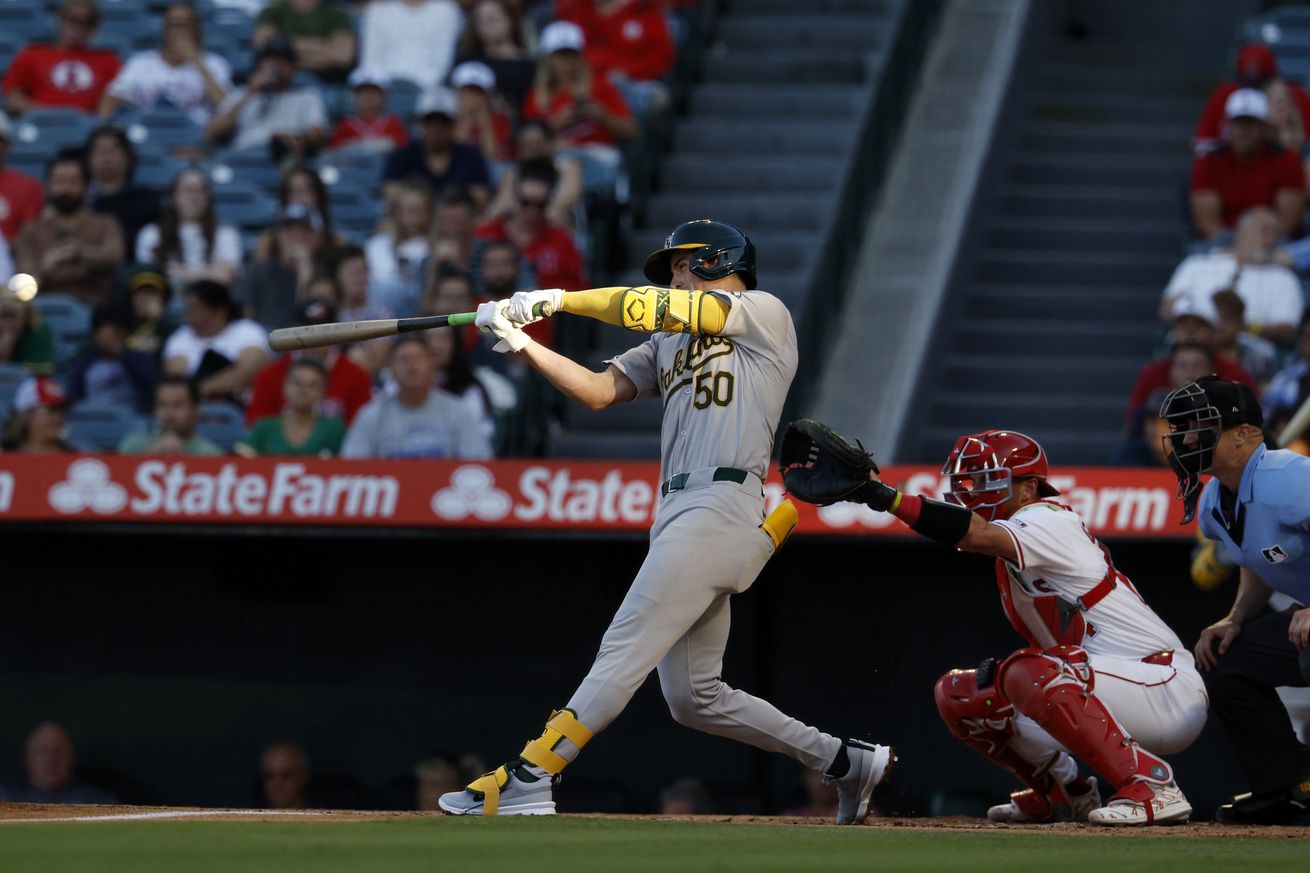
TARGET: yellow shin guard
(539,752)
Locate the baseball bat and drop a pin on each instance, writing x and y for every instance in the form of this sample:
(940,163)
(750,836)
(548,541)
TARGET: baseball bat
(1296,426)
(313,336)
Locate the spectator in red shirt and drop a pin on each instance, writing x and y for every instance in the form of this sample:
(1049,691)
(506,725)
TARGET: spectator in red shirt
(371,126)
(480,123)
(1256,68)
(1194,324)
(66,74)
(1249,170)
(547,246)
(21,196)
(348,388)
(627,37)
(583,109)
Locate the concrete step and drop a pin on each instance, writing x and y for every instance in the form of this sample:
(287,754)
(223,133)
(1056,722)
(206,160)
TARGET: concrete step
(784,136)
(1079,137)
(1075,168)
(1030,412)
(1040,373)
(1065,447)
(1110,108)
(745,101)
(1038,300)
(1061,268)
(1156,202)
(788,66)
(728,173)
(1054,336)
(741,8)
(1083,234)
(764,32)
(750,211)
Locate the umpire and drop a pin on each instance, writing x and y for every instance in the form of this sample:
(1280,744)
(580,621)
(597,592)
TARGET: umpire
(1257,507)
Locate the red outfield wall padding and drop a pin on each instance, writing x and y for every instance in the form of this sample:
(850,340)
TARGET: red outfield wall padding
(560,495)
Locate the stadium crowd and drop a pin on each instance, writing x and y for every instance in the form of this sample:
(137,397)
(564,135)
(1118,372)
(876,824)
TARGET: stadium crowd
(1236,304)
(182,178)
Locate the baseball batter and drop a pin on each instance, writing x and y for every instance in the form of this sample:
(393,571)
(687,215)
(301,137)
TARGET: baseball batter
(720,362)
(1102,678)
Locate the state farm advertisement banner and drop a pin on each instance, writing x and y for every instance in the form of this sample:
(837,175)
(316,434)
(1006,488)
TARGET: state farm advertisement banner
(562,495)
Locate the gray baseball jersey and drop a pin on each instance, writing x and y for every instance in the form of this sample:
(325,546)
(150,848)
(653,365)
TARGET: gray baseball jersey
(722,398)
(722,395)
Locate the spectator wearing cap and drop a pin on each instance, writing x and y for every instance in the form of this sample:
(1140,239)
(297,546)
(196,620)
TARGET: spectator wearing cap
(548,247)
(1256,68)
(436,159)
(627,41)
(111,164)
(1187,362)
(180,73)
(1249,169)
(396,256)
(1272,293)
(583,109)
(189,240)
(300,429)
(49,762)
(535,141)
(1194,322)
(24,337)
(497,36)
(70,249)
(321,33)
(272,288)
(109,372)
(301,185)
(410,39)
(370,126)
(348,385)
(268,112)
(147,299)
(37,421)
(216,348)
(1233,340)
(479,122)
(1256,508)
(177,415)
(21,196)
(418,420)
(66,75)
(1290,386)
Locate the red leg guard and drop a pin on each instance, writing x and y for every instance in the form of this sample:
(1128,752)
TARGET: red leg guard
(983,719)
(1054,688)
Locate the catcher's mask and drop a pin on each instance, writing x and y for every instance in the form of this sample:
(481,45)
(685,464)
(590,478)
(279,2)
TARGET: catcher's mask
(717,250)
(1196,414)
(982,468)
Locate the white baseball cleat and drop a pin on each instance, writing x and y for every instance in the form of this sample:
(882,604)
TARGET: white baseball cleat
(1144,803)
(1028,807)
(870,766)
(508,790)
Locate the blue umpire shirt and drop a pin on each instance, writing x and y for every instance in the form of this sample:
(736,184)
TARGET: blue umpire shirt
(1270,532)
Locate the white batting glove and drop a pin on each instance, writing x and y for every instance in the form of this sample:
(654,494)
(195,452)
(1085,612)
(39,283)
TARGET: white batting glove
(492,319)
(523,305)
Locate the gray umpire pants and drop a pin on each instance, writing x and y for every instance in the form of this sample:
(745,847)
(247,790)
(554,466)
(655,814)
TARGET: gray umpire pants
(705,546)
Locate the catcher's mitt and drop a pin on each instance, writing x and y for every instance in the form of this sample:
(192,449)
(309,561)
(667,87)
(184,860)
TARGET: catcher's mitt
(821,467)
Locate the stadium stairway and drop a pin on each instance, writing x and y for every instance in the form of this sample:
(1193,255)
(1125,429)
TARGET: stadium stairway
(1074,237)
(770,130)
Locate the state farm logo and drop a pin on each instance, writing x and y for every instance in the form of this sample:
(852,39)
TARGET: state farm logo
(472,491)
(88,486)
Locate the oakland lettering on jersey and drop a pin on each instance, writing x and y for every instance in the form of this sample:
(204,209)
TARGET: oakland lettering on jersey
(698,352)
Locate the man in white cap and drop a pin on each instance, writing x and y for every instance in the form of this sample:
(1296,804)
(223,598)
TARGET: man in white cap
(1250,169)
(371,126)
(436,159)
(479,122)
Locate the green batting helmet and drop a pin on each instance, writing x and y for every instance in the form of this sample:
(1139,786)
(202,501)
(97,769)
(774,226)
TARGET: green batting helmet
(726,247)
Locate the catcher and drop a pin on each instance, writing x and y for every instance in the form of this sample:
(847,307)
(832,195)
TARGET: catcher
(1102,679)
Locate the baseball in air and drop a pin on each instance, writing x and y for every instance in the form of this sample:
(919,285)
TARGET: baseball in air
(23,285)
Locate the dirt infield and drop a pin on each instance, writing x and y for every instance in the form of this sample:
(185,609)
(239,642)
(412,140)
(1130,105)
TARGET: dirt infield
(12,813)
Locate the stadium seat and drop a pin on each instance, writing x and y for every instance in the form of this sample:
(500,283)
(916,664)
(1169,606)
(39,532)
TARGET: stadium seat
(222,423)
(69,320)
(100,427)
(402,97)
(244,206)
(11,376)
(48,130)
(351,168)
(156,168)
(162,129)
(250,166)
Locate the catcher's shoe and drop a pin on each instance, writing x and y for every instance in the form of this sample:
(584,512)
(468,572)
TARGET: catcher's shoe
(1030,807)
(870,766)
(507,790)
(1144,803)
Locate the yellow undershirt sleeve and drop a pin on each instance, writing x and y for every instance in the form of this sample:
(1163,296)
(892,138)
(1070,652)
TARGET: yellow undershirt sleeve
(651,310)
